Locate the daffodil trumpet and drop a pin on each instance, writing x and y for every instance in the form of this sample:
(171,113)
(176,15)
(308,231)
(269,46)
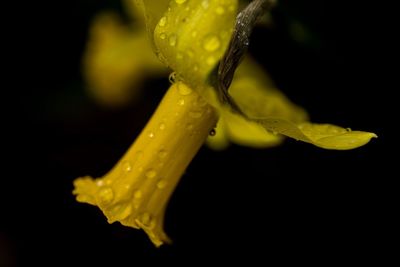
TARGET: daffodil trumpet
(136,190)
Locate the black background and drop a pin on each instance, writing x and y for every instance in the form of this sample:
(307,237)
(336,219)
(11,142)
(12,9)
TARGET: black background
(294,203)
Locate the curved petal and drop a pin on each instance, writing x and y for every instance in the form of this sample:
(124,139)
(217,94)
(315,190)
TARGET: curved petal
(193,35)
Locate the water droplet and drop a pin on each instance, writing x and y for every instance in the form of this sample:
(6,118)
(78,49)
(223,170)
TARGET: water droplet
(106,195)
(163,21)
(211,43)
(172,39)
(162,126)
(162,153)
(184,90)
(181,102)
(195,114)
(138,194)
(172,77)
(220,10)
(150,173)
(213,132)
(180,1)
(163,36)
(210,60)
(126,166)
(348,129)
(161,184)
(205,4)
(151,135)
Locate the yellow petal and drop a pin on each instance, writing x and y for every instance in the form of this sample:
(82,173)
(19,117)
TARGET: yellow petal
(193,35)
(113,67)
(257,96)
(246,133)
(152,11)
(136,191)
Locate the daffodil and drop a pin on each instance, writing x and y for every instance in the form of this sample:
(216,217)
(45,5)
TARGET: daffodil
(192,37)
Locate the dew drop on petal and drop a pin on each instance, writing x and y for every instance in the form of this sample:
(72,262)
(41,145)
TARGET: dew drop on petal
(126,166)
(162,126)
(184,90)
(163,21)
(211,43)
(172,77)
(151,135)
(161,184)
(213,132)
(172,40)
(150,173)
(163,36)
(106,195)
(181,102)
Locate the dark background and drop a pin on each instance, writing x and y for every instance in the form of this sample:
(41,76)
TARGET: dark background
(294,203)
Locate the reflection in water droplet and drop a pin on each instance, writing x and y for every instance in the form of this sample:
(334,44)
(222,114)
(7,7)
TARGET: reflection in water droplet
(163,36)
(150,173)
(151,135)
(126,166)
(106,195)
(220,10)
(211,43)
(180,1)
(163,21)
(162,153)
(172,39)
(161,184)
(184,90)
(162,126)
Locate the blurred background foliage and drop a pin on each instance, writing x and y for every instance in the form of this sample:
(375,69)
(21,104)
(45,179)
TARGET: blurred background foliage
(291,203)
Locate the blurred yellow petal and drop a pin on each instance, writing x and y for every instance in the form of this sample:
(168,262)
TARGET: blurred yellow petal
(136,191)
(193,35)
(257,96)
(152,11)
(116,60)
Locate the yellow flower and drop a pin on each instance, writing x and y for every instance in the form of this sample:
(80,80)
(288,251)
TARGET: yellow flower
(191,37)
